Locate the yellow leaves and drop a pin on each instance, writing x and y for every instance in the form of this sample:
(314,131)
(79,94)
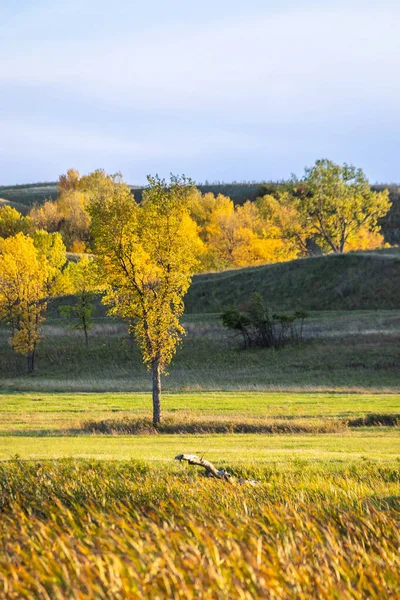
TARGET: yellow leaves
(338,202)
(82,276)
(332,207)
(46,216)
(12,222)
(29,269)
(237,236)
(75,219)
(147,253)
(364,239)
(51,254)
(68,214)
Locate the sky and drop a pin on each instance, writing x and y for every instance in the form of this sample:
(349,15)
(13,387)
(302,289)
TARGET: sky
(220,90)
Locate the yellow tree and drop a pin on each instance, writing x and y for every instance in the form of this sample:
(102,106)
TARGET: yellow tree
(284,213)
(68,182)
(75,220)
(236,236)
(28,276)
(148,254)
(68,213)
(12,222)
(47,216)
(338,204)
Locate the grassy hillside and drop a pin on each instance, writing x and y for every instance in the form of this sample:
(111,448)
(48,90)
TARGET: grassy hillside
(356,281)
(29,194)
(369,280)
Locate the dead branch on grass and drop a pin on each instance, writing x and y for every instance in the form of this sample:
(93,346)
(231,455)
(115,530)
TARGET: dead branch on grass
(211,470)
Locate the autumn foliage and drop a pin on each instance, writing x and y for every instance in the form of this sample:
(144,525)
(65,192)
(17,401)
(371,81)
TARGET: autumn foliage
(145,253)
(29,274)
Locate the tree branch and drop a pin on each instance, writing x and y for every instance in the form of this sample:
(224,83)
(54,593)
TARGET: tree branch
(211,470)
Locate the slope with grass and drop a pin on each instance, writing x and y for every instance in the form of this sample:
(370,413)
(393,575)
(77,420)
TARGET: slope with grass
(365,280)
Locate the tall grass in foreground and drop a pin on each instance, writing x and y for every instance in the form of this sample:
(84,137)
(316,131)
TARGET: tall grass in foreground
(75,529)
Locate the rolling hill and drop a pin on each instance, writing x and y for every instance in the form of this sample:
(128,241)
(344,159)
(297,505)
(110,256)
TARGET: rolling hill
(355,281)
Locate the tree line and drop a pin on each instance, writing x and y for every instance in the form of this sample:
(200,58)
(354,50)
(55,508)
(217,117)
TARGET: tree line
(330,209)
(141,256)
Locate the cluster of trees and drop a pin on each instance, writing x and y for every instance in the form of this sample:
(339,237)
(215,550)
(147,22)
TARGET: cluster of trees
(331,209)
(144,254)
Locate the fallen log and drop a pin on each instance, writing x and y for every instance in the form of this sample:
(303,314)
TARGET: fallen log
(211,470)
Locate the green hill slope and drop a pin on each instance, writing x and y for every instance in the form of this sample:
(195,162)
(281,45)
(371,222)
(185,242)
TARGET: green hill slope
(356,281)
(29,194)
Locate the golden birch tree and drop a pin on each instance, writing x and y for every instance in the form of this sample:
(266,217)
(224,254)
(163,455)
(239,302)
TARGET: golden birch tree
(148,253)
(29,273)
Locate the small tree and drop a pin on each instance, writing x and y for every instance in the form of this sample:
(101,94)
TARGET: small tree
(147,253)
(80,280)
(29,269)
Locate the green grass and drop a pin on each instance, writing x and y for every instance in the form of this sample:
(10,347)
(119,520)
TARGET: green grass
(46,412)
(343,351)
(252,449)
(50,426)
(354,281)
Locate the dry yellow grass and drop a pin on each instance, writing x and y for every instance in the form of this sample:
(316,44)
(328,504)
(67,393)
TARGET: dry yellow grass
(119,530)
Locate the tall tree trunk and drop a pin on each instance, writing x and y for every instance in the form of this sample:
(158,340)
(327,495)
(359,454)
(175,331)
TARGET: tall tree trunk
(86,335)
(31,361)
(156,372)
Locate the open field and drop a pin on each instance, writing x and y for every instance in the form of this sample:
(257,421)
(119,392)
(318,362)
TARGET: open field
(357,350)
(380,447)
(47,413)
(52,426)
(90,515)
(96,507)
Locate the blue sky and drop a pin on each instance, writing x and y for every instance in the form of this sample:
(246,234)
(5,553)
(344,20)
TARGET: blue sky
(217,89)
